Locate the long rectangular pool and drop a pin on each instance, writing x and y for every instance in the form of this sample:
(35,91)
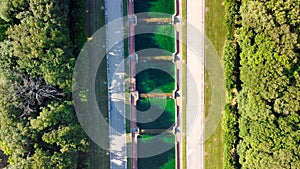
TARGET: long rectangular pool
(148,145)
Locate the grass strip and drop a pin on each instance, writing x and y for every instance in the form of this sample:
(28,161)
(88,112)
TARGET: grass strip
(184,52)
(216,33)
(95,19)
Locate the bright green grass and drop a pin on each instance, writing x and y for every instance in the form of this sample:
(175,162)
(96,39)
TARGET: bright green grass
(216,32)
(161,116)
(155,76)
(161,6)
(159,37)
(165,160)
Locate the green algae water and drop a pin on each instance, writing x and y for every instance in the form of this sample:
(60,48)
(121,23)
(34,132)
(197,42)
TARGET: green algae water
(165,119)
(159,37)
(166,160)
(162,6)
(155,76)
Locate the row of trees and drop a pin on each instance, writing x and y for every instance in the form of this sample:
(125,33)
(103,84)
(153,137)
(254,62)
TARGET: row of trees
(268,102)
(231,64)
(38,124)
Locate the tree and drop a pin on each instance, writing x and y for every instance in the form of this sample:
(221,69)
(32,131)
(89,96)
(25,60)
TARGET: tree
(34,93)
(38,125)
(268,103)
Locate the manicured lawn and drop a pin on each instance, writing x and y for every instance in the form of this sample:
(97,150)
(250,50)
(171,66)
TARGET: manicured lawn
(161,6)
(165,160)
(155,75)
(160,116)
(216,33)
(214,150)
(159,37)
(215,24)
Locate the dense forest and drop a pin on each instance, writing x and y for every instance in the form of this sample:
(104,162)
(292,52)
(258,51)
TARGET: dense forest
(261,122)
(39,44)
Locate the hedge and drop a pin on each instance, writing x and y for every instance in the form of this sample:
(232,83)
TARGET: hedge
(230,59)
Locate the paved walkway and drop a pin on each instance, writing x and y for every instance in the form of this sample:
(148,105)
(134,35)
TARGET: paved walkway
(195,81)
(116,85)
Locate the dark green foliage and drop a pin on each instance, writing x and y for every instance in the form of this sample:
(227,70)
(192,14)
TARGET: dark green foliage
(232,17)
(37,45)
(77,24)
(266,139)
(230,132)
(229,57)
(269,105)
(41,44)
(10,10)
(3,28)
(230,60)
(265,39)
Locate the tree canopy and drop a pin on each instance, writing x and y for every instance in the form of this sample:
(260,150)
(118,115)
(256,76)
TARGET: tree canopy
(261,60)
(269,104)
(38,124)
